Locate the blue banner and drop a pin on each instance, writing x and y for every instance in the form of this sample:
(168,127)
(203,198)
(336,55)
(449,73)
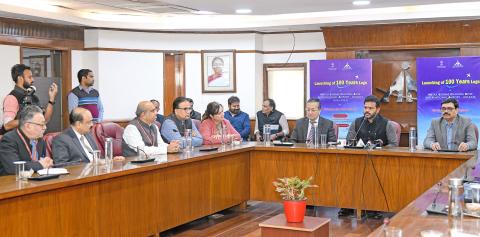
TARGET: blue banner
(341,85)
(442,78)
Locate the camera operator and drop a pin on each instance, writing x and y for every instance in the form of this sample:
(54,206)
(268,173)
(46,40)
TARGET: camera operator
(23,94)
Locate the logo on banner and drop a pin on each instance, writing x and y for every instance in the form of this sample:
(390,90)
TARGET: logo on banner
(347,67)
(441,65)
(332,67)
(457,65)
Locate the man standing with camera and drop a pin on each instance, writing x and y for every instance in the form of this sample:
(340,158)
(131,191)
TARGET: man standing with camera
(23,94)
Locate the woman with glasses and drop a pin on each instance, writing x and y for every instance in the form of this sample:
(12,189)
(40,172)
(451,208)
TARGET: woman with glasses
(215,129)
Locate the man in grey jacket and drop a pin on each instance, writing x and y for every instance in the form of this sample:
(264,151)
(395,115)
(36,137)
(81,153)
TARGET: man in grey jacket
(451,131)
(303,131)
(75,144)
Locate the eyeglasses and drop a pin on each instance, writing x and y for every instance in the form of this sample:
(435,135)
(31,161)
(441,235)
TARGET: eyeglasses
(39,124)
(449,109)
(311,110)
(368,107)
(186,109)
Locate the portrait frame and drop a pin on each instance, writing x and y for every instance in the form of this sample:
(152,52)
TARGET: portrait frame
(38,65)
(223,78)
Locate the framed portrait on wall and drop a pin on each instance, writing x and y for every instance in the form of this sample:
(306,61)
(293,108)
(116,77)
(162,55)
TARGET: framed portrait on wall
(38,65)
(218,71)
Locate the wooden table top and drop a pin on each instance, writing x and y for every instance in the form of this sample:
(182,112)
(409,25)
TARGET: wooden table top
(86,173)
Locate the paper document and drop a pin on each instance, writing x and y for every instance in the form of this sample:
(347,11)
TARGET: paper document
(53,171)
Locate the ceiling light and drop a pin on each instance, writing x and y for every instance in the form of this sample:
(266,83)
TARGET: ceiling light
(243,11)
(360,2)
(203,12)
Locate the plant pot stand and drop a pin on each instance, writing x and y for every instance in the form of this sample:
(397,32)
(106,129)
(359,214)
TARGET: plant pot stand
(278,226)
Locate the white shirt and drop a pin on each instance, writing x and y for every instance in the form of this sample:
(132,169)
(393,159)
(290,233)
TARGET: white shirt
(310,126)
(79,137)
(133,138)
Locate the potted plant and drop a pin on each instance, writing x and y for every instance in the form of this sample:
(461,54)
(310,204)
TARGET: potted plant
(292,191)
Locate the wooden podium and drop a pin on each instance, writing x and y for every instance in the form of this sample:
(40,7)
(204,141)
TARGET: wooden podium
(278,226)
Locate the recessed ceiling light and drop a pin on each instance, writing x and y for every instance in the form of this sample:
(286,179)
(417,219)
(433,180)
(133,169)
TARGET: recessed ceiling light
(243,11)
(360,2)
(203,12)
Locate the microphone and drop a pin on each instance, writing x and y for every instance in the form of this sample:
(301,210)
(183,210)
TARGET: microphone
(138,152)
(356,133)
(31,90)
(439,187)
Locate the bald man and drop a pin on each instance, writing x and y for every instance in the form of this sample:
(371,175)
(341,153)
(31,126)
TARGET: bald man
(143,134)
(75,143)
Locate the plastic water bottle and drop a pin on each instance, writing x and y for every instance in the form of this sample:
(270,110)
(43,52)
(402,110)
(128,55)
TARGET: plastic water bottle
(266,134)
(412,139)
(108,150)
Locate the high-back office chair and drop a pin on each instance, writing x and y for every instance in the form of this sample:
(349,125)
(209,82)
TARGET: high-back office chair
(48,138)
(197,123)
(398,130)
(108,129)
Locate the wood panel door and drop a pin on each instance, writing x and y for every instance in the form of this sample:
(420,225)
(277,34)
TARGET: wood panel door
(173,79)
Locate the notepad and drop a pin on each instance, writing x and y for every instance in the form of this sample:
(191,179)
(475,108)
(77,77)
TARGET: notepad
(53,171)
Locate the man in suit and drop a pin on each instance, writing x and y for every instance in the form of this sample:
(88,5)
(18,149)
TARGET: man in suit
(75,143)
(304,127)
(25,143)
(451,131)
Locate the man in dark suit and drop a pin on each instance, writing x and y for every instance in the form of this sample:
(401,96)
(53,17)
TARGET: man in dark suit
(75,143)
(25,143)
(304,132)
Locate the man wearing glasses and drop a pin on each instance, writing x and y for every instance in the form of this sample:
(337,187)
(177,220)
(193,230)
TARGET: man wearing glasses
(75,143)
(304,127)
(451,131)
(175,125)
(25,143)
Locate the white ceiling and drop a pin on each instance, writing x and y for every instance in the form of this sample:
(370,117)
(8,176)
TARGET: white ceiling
(267,15)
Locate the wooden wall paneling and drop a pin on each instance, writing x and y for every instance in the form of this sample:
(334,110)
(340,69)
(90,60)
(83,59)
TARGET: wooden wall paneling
(443,34)
(173,79)
(470,51)
(340,54)
(66,73)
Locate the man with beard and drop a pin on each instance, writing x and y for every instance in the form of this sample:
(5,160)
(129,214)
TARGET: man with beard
(451,131)
(25,143)
(239,119)
(85,96)
(173,128)
(374,128)
(276,119)
(23,95)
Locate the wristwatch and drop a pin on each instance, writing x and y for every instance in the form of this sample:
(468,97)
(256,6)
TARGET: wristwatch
(50,102)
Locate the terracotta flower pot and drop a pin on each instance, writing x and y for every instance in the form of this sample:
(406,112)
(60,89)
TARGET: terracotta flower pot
(295,210)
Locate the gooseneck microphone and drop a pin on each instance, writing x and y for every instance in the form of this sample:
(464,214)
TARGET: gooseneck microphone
(359,127)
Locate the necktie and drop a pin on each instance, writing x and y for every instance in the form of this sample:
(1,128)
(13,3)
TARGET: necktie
(311,133)
(33,144)
(86,145)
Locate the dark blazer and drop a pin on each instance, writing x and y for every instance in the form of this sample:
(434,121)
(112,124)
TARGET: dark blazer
(325,126)
(12,148)
(66,147)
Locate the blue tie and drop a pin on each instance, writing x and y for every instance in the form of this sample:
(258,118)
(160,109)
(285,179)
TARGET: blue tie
(33,144)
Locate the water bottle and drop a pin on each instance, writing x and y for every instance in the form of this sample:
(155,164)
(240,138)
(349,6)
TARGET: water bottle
(188,139)
(315,135)
(108,150)
(223,134)
(456,201)
(266,134)
(412,139)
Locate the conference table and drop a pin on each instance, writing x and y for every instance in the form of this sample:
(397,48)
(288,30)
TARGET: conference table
(126,199)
